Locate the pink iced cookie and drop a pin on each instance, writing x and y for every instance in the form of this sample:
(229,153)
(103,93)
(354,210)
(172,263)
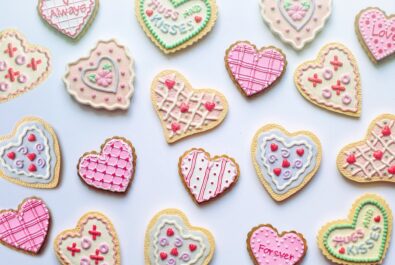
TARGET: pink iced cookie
(254,71)
(25,229)
(266,246)
(376,32)
(111,170)
(104,79)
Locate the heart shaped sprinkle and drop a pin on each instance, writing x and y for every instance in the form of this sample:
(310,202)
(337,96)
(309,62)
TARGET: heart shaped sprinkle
(253,70)
(284,170)
(111,170)
(206,177)
(183,110)
(188,244)
(373,158)
(362,238)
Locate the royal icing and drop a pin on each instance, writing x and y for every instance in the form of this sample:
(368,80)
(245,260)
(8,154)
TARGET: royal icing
(332,81)
(376,32)
(175,24)
(69,17)
(296,22)
(171,240)
(207,178)
(266,246)
(372,159)
(25,229)
(363,238)
(285,162)
(104,79)
(254,71)
(22,65)
(113,169)
(31,157)
(93,242)
(185,111)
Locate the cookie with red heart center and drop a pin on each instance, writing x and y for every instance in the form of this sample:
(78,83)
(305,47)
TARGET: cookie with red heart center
(30,155)
(183,110)
(205,177)
(93,241)
(104,79)
(267,246)
(112,169)
(296,22)
(376,33)
(171,239)
(373,158)
(332,81)
(285,162)
(23,66)
(25,229)
(363,238)
(252,70)
(72,18)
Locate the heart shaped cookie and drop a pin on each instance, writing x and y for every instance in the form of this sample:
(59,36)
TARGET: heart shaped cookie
(182,110)
(104,79)
(176,24)
(254,71)
(30,155)
(22,66)
(285,162)
(26,228)
(72,18)
(267,246)
(170,239)
(207,178)
(373,158)
(93,241)
(361,239)
(332,81)
(111,170)
(296,22)
(376,33)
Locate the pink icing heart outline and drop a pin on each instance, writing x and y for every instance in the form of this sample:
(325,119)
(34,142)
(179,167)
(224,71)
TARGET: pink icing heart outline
(32,218)
(254,70)
(111,170)
(378,41)
(277,249)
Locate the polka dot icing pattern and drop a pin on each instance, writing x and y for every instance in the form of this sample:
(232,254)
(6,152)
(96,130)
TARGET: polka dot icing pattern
(113,169)
(266,246)
(332,81)
(207,178)
(22,66)
(363,238)
(372,159)
(376,32)
(25,229)
(93,242)
(185,111)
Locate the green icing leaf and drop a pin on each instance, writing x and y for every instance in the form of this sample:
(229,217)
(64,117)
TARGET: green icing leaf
(92,78)
(306,5)
(287,5)
(107,67)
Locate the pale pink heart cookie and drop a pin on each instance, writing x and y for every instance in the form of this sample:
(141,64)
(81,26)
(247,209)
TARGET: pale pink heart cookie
(373,158)
(207,178)
(376,32)
(104,79)
(267,246)
(254,70)
(296,22)
(332,81)
(25,229)
(183,110)
(70,17)
(23,66)
(111,170)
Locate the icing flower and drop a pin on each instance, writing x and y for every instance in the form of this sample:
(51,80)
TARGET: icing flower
(297,11)
(104,78)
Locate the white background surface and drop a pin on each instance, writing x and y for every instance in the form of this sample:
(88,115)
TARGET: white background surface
(157,185)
